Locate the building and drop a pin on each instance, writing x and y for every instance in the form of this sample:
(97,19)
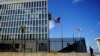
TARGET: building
(98,42)
(69,45)
(24,24)
(24,27)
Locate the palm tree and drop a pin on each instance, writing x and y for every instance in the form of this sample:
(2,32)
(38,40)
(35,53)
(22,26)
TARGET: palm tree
(22,28)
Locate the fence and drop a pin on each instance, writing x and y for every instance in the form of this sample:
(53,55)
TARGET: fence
(53,45)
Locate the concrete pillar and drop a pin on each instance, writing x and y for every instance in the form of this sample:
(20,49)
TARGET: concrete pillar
(98,43)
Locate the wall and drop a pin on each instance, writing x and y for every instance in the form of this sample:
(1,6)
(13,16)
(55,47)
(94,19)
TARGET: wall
(41,54)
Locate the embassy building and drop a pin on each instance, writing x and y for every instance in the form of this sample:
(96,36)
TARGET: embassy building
(24,25)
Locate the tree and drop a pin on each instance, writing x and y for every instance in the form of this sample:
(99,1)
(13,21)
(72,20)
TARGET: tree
(22,28)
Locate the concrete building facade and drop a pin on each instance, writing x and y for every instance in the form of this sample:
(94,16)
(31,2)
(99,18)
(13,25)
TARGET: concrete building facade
(24,23)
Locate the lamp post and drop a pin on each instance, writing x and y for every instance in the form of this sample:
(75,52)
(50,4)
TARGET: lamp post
(22,28)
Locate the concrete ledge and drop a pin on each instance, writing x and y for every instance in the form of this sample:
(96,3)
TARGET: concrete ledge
(41,54)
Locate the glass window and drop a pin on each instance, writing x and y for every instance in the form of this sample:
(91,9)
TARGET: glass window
(43,16)
(22,5)
(33,29)
(40,16)
(13,30)
(43,22)
(0,18)
(39,3)
(26,5)
(34,4)
(46,36)
(0,6)
(32,10)
(39,36)
(16,30)
(42,36)
(40,10)
(45,3)
(43,29)
(0,29)
(37,22)
(42,3)
(33,37)
(40,22)
(36,29)
(39,29)
(6,24)
(4,7)
(37,16)
(30,4)
(15,23)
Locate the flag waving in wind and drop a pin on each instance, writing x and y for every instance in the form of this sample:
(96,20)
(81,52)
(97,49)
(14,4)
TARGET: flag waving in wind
(57,20)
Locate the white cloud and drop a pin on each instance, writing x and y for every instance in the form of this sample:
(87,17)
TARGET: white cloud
(98,23)
(91,31)
(76,1)
(51,24)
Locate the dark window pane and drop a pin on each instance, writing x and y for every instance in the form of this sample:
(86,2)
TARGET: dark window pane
(45,3)
(34,4)
(39,3)
(42,3)
(0,6)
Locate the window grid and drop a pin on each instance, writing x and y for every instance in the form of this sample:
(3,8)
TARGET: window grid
(14,16)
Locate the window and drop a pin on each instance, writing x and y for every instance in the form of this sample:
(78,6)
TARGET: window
(26,5)
(42,3)
(39,3)
(16,46)
(34,4)
(43,29)
(36,22)
(37,28)
(0,18)
(33,37)
(45,3)
(30,4)
(43,22)
(40,16)
(43,16)
(0,6)
(42,47)
(40,22)
(0,29)
(39,36)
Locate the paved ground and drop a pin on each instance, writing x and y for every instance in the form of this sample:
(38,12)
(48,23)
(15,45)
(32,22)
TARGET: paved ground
(44,54)
(97,54)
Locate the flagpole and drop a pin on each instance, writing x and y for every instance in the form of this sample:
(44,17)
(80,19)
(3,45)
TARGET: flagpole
(79,35)
(58,21)
(61,34)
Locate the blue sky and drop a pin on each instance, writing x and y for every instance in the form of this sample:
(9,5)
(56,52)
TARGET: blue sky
(84,14)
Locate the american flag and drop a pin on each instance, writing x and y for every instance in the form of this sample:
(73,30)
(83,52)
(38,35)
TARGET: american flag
(57,20)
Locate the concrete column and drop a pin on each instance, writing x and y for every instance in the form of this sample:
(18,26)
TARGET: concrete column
(98,43)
